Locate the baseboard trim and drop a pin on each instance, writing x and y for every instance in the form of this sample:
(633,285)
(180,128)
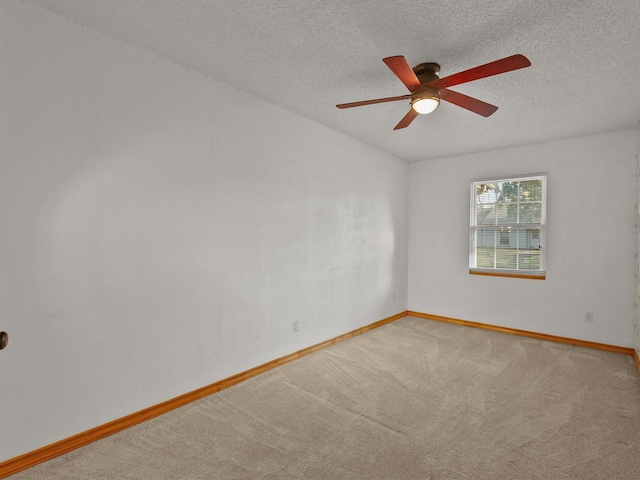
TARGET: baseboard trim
(636,359)
(22,462)
(525,333)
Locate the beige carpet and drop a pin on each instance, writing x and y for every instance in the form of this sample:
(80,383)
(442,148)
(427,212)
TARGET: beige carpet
(415,399)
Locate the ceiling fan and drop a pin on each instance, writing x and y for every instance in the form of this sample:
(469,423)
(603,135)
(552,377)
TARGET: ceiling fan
(427,89)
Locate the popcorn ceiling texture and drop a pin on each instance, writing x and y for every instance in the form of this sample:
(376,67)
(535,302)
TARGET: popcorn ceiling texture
(308,56)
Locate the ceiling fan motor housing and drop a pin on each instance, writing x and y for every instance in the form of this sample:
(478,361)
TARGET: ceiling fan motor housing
(427,72)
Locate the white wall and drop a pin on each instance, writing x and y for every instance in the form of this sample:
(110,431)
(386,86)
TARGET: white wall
(162,230)
(590,240)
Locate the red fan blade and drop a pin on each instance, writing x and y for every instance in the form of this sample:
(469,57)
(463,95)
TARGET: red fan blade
(504,65)
(403,71)
(472,104)
(371,102)
(406,120)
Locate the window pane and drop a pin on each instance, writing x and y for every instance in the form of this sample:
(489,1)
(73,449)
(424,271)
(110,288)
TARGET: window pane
(529,239)
(531,190)
(529,260)
(531,212)
(485,257)
(485,238)
(506,257)
(508,192)
(507,214)
(485,215)
(485,246)
(485,193)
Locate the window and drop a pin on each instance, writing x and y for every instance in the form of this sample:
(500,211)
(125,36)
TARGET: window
(507,230)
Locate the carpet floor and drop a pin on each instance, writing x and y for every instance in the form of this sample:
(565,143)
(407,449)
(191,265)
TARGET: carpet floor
(414,399)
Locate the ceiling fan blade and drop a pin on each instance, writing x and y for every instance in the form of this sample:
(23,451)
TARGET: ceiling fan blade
(371,102)
(406,120)
(472,104)
(403,71)
(504,65)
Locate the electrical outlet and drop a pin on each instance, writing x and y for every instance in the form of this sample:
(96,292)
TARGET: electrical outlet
(588,317)
(294,325)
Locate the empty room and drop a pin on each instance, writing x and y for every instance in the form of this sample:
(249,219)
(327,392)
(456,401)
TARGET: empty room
(319,239)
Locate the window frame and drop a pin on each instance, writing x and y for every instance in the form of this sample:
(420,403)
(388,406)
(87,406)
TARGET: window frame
(504,227)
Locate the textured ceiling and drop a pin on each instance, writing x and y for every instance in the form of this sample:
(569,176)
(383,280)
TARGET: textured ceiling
(308,55)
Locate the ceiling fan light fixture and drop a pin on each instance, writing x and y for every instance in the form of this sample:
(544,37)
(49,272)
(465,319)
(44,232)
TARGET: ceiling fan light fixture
(426,87)
(425,102)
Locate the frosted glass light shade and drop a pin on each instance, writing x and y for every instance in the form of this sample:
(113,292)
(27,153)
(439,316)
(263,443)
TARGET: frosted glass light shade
(425,105)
